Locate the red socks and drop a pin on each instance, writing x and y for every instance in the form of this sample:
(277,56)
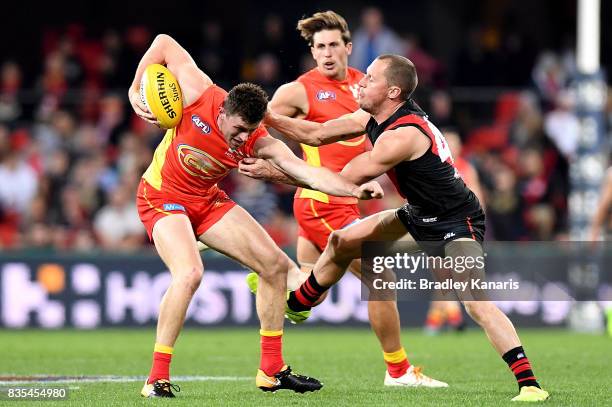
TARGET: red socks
(162,356)
(271,352)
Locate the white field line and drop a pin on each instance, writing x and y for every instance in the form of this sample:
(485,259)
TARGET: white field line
(41,379)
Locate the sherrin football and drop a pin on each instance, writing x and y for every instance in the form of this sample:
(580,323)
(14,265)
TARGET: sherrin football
(160,92)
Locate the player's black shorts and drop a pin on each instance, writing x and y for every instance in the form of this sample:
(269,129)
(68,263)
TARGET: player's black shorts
(434,232)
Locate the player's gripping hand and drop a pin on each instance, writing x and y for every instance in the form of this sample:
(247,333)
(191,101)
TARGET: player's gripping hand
(140,109)
(369,190)
(256,168)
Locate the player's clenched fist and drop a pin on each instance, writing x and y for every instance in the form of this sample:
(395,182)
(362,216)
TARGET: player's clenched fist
(369,190)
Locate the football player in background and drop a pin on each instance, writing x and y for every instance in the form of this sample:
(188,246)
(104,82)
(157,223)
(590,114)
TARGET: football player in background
(444,308)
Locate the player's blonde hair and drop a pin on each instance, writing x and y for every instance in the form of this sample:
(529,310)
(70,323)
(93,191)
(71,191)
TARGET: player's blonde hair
(323,20)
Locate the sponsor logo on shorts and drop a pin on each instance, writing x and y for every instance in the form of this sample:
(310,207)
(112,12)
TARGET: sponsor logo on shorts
(173,207)
(221,201)
(323,95)
(430,220)
(200,124)
(449,235)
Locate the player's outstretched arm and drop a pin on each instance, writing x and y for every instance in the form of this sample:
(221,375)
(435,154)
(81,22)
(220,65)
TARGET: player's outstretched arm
(316,134)
(318,178)
(391,148)
(258,168)
(166,51)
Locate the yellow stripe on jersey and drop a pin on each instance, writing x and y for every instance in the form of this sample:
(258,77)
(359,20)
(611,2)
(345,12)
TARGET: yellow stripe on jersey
(313,158)
(312,155)
(153,173)
(355,143)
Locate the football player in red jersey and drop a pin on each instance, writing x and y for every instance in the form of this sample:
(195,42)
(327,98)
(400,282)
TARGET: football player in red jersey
(327,92)
(442,215)
(178,199)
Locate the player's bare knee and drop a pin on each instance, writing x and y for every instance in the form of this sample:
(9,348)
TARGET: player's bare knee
(342,247)
(479,311)
(274,266)
(191,278)
(335,244)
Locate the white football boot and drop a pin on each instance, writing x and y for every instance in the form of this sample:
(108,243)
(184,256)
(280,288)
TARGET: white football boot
(413,378)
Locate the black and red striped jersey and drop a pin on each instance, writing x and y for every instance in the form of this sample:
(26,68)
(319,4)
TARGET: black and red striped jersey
(431,183)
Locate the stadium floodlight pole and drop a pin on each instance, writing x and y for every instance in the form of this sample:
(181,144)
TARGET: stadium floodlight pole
(588,166)
(587,169)
(587,51)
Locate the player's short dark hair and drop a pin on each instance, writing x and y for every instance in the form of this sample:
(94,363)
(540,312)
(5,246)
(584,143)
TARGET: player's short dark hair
(323,20)
(247,100)
(400,72)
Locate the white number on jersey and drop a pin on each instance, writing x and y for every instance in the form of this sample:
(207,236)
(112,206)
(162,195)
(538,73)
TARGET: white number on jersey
(443,150)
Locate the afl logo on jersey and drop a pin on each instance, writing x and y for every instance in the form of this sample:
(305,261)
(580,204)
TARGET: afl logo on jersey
(200,124)
(199,163)
(324,95)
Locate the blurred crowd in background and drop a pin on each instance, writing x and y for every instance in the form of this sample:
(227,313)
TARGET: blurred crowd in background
(72,151)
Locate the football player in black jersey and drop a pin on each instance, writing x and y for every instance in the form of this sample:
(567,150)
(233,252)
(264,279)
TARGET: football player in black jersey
(442,215)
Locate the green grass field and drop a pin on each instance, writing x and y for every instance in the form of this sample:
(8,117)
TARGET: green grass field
(574,368)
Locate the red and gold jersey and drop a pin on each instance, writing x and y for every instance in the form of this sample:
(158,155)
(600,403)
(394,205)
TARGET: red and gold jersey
(194,156)
(465,170)
(329,99)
